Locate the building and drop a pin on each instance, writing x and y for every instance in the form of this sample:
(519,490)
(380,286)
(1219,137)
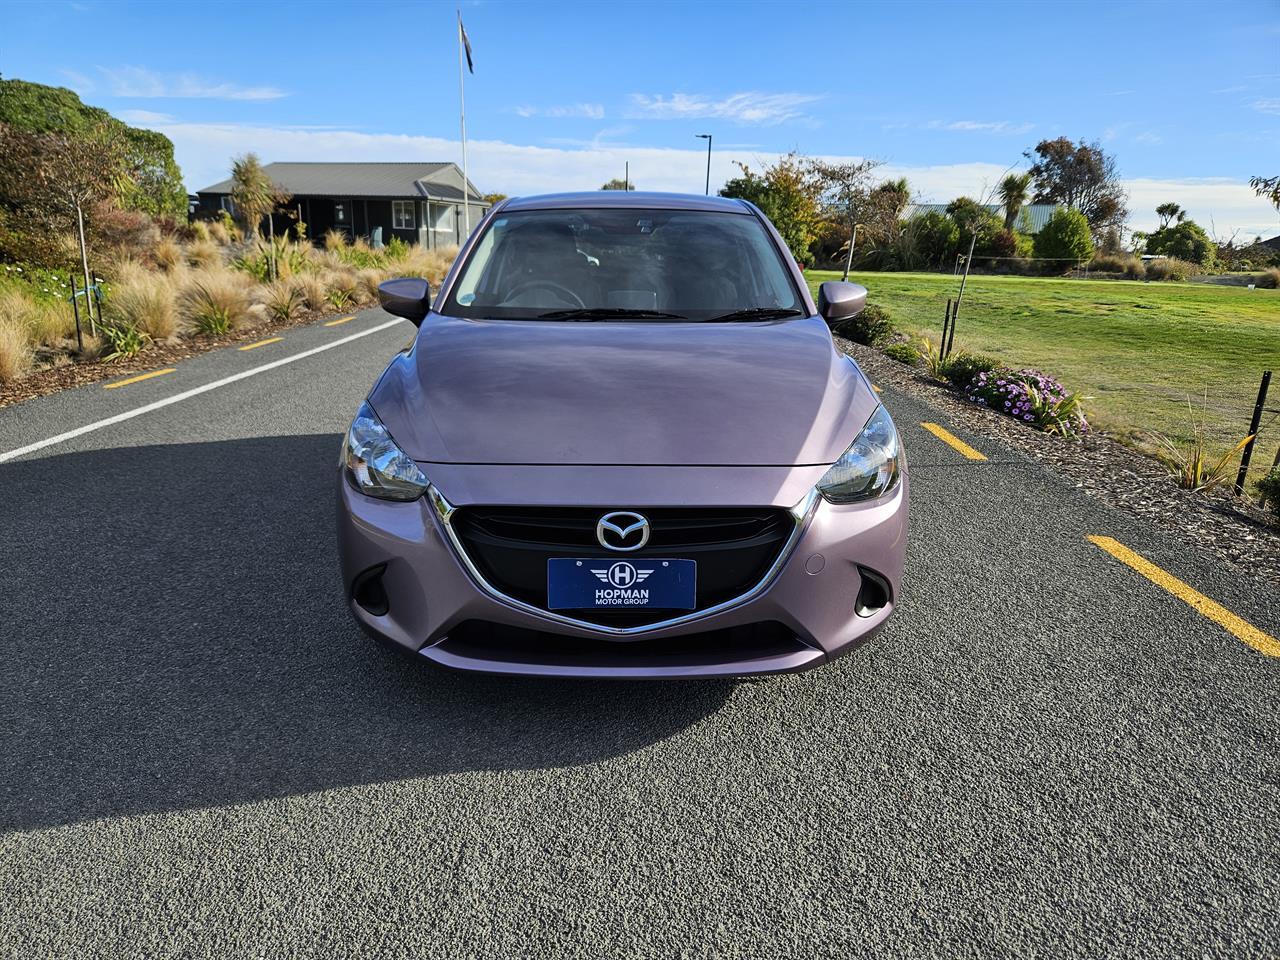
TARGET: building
(1031,218)
(417,202)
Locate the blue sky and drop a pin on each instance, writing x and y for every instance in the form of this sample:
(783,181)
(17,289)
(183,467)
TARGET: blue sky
(1187,96)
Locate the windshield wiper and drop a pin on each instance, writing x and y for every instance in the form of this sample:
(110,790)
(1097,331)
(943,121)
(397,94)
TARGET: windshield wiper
(609,313)
(757,313)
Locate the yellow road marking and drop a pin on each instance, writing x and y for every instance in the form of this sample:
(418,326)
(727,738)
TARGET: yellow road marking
(261,343)
(953,441)
(1242,629)
(141,376)
(334,323)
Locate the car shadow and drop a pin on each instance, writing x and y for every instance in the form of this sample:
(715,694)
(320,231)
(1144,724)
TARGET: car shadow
(175,637)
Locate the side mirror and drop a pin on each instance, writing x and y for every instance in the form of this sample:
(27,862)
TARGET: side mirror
(838,300)
(408,297)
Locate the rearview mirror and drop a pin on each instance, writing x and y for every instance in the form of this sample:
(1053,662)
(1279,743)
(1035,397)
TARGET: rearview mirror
(838,300)
(408,297)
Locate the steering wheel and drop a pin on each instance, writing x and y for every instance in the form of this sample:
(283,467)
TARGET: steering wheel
(545,285)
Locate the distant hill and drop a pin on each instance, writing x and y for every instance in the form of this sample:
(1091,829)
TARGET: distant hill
(156,186)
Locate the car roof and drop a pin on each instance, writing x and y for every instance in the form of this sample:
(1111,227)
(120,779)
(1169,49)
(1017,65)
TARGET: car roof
(608,199)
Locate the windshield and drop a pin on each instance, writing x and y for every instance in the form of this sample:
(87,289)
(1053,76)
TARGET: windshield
(625,264)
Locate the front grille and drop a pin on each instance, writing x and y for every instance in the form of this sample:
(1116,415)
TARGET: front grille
(499,643)
(734,549)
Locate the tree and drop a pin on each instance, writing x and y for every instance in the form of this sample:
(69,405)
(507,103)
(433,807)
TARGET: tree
(253,192)
(1185,240)
(152,183)
(1013,195)
(51,183)
(1169,211)
(788,194)
(1268,187)
(617,184)
(936,237)
(492,198)
(974,219)
(845,195)
(1065,237)
(1082,176)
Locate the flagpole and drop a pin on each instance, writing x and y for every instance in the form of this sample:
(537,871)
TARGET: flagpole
(462,120)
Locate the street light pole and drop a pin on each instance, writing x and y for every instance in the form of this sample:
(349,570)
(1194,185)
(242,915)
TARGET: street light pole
(707,137)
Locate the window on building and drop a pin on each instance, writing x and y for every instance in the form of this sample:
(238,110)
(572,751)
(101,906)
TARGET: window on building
(402,215)
(443,217)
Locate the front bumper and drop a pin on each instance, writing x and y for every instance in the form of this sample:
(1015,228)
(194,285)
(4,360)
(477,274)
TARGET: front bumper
(805,612)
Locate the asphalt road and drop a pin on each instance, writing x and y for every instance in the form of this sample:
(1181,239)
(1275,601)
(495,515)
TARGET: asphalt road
(1045,754)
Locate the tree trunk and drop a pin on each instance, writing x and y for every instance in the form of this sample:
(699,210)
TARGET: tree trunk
(84,265)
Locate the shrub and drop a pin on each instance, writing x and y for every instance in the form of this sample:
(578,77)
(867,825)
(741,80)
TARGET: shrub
(431,265)
(963,368)
(1032,397)
(902,352)
(1269,487)
(1194,466)
(1269,279)
(230,229)
(1183,241)
(367,284)
(123,340)
(1065,237)
(930,355)
(283,300)
(39,320)
(199,230)
(314,290)
(215,302)
(1170,269)
(335,240)
(15,349)
(204,253)
(218,233)
(397,249)
(168,255)
(871,327)
(290,259)
(1126,265)
(936,237)
(143,301)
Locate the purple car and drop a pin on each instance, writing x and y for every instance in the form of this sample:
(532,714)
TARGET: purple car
(623,444)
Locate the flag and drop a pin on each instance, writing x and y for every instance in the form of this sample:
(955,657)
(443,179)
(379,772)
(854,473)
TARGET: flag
(466,43)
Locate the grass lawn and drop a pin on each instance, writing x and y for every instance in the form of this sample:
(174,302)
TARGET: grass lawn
(1138,349)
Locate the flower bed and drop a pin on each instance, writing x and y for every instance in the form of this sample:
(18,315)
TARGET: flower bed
(1031,396)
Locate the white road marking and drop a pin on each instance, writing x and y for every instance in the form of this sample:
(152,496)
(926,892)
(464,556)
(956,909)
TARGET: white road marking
(188,394)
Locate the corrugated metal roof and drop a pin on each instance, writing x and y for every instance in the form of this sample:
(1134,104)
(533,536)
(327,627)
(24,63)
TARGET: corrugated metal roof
(1031,219)
(358,180)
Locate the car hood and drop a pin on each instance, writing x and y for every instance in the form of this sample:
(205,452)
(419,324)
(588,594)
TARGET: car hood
(543,392)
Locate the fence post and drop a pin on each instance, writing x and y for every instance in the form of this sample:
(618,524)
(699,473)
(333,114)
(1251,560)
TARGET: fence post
(75,309)
(1254,423)
(946,324)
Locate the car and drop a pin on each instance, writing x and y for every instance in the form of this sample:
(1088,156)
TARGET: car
(623,444)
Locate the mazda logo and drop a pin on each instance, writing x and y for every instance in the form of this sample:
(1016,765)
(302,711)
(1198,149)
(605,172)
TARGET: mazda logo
(623,531)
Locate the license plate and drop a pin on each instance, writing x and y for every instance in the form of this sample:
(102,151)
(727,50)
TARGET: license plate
(605,583)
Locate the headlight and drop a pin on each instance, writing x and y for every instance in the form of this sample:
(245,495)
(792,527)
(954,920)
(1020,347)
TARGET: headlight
(869,467)
(376,465)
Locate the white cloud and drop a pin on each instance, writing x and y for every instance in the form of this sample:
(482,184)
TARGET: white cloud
(980,126)
(204,152)
(141,82)
(1269,105)
(761,108)
(590,111)
(143,116)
